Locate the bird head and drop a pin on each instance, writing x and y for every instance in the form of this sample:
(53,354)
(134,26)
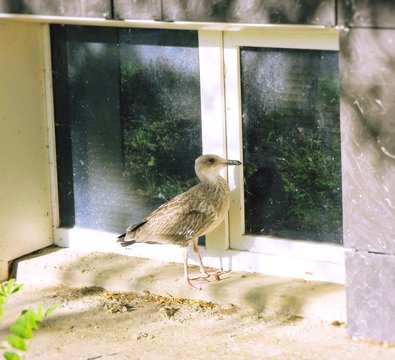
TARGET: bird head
(207,167)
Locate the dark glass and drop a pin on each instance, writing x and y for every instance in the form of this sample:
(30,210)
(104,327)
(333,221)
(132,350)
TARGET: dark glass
(127,113)
(291,137)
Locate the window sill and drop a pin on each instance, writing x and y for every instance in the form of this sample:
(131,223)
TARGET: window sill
(290,264)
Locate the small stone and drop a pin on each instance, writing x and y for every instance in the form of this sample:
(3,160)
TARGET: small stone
(141,335)
(170,312)
(338,323)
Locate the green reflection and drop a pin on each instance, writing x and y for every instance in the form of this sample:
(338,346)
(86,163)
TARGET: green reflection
(160,109)
(292,143)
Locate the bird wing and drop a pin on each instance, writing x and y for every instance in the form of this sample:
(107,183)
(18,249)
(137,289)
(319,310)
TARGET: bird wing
(178,221)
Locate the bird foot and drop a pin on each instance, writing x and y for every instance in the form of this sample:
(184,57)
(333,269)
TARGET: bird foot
(198,281)
(216,274)
(204,278)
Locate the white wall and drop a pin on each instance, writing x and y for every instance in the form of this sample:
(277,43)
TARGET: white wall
(25,199)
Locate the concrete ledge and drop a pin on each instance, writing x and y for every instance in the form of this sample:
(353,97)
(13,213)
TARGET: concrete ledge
(299,260)
(254,293)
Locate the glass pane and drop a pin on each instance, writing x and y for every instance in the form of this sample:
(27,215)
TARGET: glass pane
(127,110)
(291,137)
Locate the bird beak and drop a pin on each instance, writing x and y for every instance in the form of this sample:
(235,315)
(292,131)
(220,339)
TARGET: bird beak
(233,162)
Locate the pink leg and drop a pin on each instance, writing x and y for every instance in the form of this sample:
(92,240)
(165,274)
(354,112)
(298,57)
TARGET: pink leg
(203,271)
(186,272)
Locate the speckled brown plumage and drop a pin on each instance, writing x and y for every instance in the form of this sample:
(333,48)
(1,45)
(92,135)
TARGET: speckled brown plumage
(185,217)
(189,215)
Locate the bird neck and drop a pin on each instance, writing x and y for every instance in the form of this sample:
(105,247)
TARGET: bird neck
(211,179)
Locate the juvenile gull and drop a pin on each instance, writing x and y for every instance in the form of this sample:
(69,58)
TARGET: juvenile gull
(189,215)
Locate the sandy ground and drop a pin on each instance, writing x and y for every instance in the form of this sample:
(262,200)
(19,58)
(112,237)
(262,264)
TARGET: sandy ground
(94,323)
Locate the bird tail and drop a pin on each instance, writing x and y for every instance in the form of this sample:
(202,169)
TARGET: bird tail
(121,240)
(127,238)
(121,237)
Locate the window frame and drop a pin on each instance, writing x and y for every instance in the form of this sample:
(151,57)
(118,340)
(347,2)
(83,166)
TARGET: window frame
(326,39)
(274,256)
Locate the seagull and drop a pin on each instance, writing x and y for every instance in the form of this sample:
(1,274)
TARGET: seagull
(189,215)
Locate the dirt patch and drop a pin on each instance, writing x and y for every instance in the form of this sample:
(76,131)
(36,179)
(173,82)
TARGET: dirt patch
(92,323)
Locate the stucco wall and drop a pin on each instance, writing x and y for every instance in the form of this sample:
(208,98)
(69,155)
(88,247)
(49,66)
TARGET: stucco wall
(25,201)
(367,67)
(367,74)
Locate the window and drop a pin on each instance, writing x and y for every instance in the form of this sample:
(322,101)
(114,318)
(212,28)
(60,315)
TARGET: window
(135,107)
(291,143)
(283,120)
(128,123)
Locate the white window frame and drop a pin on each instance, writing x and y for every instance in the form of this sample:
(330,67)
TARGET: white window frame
(221,127)
(326,39)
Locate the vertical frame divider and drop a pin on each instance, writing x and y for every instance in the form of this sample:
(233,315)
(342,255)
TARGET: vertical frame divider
(234,137)
(49,109)
(213,113)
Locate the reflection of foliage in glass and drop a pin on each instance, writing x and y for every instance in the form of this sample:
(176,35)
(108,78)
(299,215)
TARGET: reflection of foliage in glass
(160,136)
(298,140)
(311,173)
(310,170)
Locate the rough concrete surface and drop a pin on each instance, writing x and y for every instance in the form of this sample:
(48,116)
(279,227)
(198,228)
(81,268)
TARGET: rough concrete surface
(120,307)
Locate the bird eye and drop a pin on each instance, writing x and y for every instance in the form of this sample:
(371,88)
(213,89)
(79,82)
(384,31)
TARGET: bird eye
(211,160)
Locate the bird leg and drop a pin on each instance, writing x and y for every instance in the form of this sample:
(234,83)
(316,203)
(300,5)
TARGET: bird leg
(205,274)
(186,272)
(203,271)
